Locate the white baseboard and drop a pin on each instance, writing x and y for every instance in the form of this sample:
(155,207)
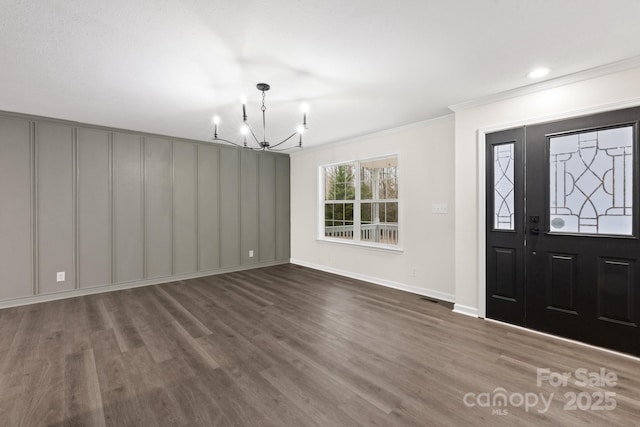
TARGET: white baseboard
(466,310)
(382,282)
(128,285)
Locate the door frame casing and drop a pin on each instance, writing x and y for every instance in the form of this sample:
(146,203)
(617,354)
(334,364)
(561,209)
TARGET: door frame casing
(481,180)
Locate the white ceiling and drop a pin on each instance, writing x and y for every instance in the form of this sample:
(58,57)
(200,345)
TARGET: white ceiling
(166,66)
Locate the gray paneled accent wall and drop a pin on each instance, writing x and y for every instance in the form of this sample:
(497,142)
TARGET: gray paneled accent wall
(267,207)
(158,208)
(184,208)
(283,208)
(55,164)
(16,219)
(208,207)
(229,186)
(249,217)
(127,208)
(113,208)
(94,207)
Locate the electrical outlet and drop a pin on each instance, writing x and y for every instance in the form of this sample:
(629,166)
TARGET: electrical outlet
(439,208)
(251,254)
(60,276)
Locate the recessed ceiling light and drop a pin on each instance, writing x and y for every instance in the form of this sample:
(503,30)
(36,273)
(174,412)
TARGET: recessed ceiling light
(538,72)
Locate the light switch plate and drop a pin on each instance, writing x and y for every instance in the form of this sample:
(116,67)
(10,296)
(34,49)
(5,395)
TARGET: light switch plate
(60,276)
(439,208)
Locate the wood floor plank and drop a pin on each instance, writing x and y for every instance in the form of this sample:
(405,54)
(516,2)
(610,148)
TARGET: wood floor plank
(153,390)
(41,399)
(82,398)
(120,319)
(284,346)
(319,406)
(10,319)
(200,406)
(180,314)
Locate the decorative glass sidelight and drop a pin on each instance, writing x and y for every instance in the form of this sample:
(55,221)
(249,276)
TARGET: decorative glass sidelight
(503,187)
(591,182)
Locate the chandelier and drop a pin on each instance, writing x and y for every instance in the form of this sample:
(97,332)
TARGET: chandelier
(250,140)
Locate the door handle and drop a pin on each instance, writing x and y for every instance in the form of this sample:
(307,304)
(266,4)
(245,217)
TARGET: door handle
(534,220)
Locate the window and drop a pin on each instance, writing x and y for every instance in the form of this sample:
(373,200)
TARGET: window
(360,201)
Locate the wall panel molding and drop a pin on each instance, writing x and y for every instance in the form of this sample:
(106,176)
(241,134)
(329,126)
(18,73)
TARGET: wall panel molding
(118,205)
(76,222)
(173,228)
(112,227)
(33,201)
(196,222)
(143,203)
(34,210)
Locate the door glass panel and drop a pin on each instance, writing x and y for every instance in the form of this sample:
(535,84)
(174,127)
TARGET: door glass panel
(591,182)
(503,187)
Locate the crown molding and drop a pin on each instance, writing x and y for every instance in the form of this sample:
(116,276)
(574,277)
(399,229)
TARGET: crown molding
(591,73)
(376,134)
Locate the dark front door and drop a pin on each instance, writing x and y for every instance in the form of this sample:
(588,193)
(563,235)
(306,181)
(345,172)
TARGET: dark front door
(569,259)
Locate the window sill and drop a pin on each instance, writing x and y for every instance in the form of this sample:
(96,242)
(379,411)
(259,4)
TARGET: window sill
(378,247)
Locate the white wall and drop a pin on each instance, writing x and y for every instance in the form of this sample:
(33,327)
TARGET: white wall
(613,91)
(426,159)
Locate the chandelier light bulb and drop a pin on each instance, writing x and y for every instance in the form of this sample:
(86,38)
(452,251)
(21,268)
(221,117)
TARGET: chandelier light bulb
(304,107)
(300,129)
(244,129)
(216,120)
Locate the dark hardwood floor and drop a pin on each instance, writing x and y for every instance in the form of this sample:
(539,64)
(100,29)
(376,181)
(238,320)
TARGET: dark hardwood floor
(289,346)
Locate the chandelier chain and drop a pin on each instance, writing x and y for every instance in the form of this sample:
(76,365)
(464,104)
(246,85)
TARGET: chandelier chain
(264,120)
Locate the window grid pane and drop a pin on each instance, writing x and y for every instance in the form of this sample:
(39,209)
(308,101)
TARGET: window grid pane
(379,222)
(379,179)
(338,220)
(340,182)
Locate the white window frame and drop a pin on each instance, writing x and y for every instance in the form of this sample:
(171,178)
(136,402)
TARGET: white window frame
(356,241)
